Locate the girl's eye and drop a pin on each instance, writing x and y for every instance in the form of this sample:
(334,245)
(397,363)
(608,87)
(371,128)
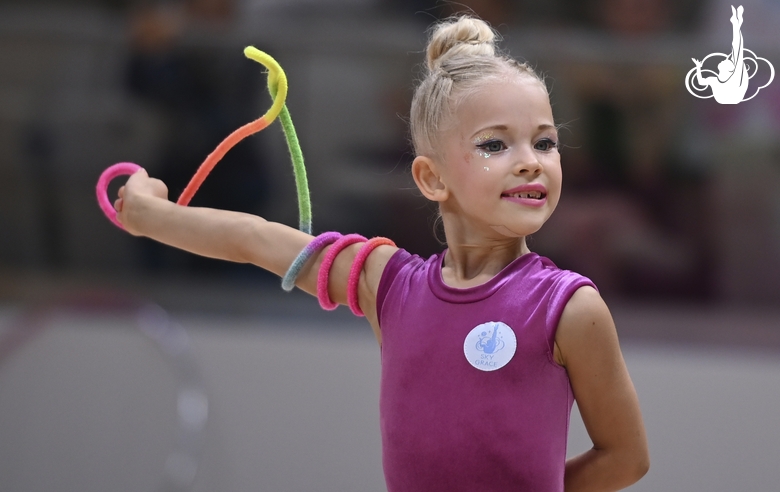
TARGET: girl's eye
(546,144)
(492,146)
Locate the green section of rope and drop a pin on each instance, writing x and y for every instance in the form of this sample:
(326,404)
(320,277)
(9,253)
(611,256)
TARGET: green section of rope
(299,169)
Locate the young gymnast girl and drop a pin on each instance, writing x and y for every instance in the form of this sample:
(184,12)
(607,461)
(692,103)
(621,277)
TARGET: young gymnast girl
(485,346)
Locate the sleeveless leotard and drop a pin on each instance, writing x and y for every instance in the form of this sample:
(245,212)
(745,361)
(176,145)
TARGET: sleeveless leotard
(448,426)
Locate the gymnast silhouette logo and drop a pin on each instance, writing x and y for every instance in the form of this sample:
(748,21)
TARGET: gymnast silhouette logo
(730,84)
(490,343)
(490,346)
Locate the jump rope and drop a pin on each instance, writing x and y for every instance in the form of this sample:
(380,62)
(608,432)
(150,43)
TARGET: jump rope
(277,87)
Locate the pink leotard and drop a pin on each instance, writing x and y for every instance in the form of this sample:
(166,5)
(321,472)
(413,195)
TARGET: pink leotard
(448,426)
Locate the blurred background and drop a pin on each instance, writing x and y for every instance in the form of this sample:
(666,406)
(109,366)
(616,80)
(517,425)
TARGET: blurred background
(671,204)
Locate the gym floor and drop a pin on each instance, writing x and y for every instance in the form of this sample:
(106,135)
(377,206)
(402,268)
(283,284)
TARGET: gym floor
(256,389)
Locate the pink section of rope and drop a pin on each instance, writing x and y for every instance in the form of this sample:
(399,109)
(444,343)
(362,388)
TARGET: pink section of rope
(121,169)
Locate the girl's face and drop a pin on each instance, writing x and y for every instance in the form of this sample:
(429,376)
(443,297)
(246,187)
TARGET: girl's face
(501,160)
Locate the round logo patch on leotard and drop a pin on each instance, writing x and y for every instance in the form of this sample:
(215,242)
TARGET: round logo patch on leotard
(490,346)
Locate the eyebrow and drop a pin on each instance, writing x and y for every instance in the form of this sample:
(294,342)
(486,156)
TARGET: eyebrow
(543,126)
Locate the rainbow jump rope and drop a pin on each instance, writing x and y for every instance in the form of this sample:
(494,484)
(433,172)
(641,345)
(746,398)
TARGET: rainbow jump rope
(277,87)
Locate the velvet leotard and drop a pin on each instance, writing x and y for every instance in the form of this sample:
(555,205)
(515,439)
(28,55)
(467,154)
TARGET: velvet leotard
(449,426)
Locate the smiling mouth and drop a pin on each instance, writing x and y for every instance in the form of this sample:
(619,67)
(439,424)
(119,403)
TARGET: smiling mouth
(532,195)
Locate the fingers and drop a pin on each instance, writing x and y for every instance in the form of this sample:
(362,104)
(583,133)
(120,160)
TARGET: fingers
(159,188)
(119,201)
(140,174)
(141,184)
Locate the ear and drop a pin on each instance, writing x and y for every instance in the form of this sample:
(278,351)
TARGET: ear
(428,178)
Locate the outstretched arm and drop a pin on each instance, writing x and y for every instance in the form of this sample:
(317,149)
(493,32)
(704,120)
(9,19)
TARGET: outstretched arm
(606,398)
(143,208)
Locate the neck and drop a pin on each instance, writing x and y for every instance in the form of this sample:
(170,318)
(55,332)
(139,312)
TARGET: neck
(475,257)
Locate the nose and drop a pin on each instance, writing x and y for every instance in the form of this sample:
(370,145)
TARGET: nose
(527,163)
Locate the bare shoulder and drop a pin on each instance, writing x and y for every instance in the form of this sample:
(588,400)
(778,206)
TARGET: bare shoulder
(585,303)
(586,324)
(375,266)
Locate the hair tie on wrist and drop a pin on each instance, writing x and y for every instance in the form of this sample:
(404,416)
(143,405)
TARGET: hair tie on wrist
(319,242)
(357,267)
(324,273)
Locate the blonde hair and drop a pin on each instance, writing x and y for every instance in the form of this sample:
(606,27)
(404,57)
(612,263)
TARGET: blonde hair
(461,56)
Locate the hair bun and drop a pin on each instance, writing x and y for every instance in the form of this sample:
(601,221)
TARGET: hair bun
(463,35)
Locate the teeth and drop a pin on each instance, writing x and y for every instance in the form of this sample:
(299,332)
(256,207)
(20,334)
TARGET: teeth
(527,194)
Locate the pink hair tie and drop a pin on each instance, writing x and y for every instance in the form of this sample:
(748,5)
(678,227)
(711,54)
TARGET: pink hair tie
(327,263)
(357,267)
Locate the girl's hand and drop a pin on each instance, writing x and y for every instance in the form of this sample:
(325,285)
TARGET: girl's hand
(139,187)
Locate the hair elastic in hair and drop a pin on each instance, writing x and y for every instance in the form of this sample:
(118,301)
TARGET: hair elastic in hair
(357,267)
(319,242)
(327,262)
